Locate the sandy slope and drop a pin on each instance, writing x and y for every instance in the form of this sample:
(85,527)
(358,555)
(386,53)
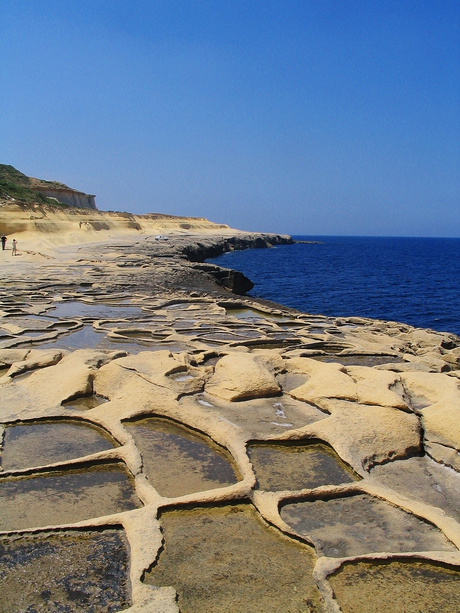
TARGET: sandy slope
(42,231)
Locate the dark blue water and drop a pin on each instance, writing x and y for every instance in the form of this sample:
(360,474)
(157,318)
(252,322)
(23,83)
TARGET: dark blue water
(411,280)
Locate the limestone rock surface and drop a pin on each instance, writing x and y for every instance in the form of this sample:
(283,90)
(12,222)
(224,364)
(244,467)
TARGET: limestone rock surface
(243,406)
(242,376)
(326,380)
(45,389)
(366,435)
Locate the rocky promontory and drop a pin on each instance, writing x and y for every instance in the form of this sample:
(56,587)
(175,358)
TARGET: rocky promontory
(172,444)
(17,187)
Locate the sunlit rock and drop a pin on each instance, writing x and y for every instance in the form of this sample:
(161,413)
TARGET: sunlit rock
(373,386)
(365,435)
(46,388)
(326,380)
(240,376)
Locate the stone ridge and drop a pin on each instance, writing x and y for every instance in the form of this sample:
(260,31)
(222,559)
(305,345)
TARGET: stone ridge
(200,250)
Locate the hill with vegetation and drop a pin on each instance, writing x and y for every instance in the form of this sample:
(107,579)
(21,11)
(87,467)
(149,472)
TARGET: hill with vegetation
(16,186)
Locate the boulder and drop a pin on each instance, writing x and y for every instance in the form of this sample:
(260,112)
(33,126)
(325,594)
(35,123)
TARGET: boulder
(240,376)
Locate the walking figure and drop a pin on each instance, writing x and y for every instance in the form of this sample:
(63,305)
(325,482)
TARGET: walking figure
(3,239)
(15,247)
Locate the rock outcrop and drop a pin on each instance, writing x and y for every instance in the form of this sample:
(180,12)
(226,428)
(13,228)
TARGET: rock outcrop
(18,187)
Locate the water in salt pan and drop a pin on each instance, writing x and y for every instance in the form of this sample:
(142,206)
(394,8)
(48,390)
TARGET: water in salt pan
(226,559)
(425,480)
(84,338)
(139,334)
(47,442)
(179,461)
(362,524)
(296,467)
(88,338)
(55,498)
(247,313)
(393,586)
(96,311)
(69,572)
(243,313)
(360,360)
(225,337)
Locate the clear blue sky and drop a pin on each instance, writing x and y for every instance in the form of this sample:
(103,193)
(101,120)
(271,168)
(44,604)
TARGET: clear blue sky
(299,116)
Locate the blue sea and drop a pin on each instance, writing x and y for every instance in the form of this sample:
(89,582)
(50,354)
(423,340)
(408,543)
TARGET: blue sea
(410,280)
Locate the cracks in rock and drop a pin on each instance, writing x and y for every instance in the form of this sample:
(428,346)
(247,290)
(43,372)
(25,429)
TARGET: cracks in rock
(413,404)
(442,462)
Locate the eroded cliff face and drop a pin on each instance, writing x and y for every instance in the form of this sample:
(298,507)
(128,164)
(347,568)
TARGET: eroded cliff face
(43,231)
(169,446)
(15,186)
(42,225)
(71,197)
(22,217)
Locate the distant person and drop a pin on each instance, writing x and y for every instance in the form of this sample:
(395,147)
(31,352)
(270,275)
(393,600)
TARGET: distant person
(3,239)
(15,247)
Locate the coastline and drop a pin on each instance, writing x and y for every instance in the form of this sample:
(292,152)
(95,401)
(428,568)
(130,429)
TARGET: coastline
(146,325)
(409,280)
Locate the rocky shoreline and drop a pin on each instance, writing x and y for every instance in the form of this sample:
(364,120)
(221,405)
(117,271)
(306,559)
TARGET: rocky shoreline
(226,453)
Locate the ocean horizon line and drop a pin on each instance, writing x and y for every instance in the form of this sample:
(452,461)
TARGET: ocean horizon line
(412,280)
(371,236)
